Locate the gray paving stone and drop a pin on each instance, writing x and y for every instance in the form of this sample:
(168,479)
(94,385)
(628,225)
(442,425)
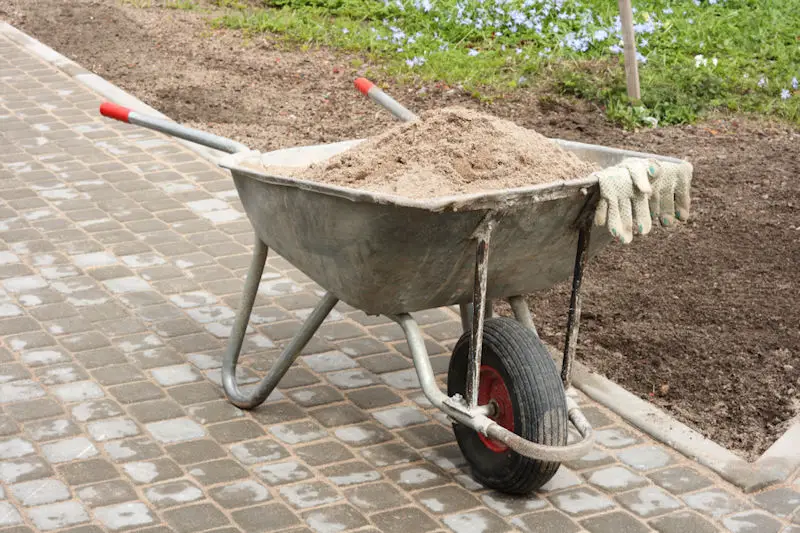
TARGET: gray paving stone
(616,522)
(780,501)
(175,430)
(114,375)
(125,516)
(193,518)
(168,376)
(398,417)
(24,469)
(388,362)
(95,410)
(416,477)
(329,361)
(509,504)
(15,447)
(312,494)
(107,493)
(350,473)
(157,470)
(581,501)
(402,379)
(752,522)
(217,471)
(259,451)
(715,502)
(297,432)
(9,516)
(615,437)
(193,393)
(173,493)
(196,451)
(649,501)
(57,515)
(478,520)
(101,357)
(235,431)
(315,396)
(361,347)
(69,450)
(545,522)
(277,412)
(373,397)
(18,391)
(55,375)
(615,479)
(283,472)
(341,517)
(9,427)
(338,415)
(321,453)
(402,520)
(240,494)
(136,392)
(363,435)
(136,449)
(427,435)
(155,411)
(447,499)
(681,522)
(269,517)
(88,471)
(112,428)
(645,458)
(40,492)
(78,391)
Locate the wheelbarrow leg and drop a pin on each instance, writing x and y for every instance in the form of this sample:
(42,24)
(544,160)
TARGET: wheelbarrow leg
(522,313)
(288,355)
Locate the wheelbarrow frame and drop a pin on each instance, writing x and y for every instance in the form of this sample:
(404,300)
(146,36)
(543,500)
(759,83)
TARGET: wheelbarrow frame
(463,410)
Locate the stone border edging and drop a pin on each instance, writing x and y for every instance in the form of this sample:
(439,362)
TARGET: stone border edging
(774,466)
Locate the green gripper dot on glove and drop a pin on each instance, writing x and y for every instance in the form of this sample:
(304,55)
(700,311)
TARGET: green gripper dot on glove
(665,221)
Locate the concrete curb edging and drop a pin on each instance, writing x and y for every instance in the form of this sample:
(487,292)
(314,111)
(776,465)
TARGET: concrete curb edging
(779,462)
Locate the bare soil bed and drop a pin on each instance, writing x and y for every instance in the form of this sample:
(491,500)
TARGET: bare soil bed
(702,319)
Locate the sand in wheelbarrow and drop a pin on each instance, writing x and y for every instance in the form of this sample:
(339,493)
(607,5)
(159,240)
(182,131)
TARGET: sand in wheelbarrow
(446,152)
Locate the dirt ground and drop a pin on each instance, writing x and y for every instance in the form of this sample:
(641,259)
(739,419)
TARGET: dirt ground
(702,319)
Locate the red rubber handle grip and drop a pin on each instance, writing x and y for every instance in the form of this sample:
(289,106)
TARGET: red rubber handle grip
(364,85)
(117,112)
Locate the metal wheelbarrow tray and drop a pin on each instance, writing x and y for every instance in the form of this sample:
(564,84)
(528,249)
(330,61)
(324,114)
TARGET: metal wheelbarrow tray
(392,256)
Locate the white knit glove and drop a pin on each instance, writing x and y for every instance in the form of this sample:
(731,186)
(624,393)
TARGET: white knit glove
(671,187)
(624,191)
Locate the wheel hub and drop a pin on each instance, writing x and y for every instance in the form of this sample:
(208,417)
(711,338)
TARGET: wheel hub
(492,390)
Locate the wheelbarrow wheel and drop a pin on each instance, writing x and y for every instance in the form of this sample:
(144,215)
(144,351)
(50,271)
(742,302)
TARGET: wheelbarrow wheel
(518,376)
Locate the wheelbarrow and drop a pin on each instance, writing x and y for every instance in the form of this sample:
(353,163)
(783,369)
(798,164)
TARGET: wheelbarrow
(393,256)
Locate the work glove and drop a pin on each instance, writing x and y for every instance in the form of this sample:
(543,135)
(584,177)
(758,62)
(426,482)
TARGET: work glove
(624,192)
(671,186)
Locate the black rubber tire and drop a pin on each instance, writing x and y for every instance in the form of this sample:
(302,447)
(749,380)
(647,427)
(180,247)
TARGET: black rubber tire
(537,397)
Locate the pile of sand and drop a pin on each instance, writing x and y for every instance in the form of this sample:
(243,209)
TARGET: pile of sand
(447,152)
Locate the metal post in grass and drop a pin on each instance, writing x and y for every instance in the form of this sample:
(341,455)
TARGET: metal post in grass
(631,66)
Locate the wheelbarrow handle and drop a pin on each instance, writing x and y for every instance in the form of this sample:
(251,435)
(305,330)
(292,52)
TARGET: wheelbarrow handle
(371,90)
(124,114)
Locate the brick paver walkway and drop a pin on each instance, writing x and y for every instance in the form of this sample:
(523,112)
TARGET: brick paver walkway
(121,262)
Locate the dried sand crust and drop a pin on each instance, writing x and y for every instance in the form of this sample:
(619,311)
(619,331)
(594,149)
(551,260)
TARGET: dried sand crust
(447,152)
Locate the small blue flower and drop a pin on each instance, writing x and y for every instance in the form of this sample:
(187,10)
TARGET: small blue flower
(668,11)
(641,58)
(600,35)
(762,82)
(472,52)
(785,94)
(345,31)
(615,49)
(794,83)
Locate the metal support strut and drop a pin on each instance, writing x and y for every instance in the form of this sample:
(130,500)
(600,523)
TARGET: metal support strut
(265,387)
(478,313)
(574,318)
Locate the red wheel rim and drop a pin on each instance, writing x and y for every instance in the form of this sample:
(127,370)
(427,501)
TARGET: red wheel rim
(492,388)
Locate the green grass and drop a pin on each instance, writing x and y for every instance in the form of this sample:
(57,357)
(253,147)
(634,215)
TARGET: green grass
(750,40)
